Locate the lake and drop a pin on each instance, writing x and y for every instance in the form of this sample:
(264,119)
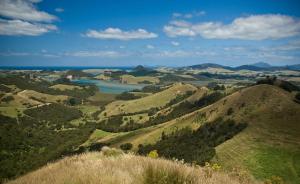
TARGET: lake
(110,86)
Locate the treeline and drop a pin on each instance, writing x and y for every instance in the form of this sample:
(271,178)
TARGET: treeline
(174,78)
(40,136)
(194,146)
(115,123)
(127,96)
(220,76)
(54,113)
(149,89)
(280,83)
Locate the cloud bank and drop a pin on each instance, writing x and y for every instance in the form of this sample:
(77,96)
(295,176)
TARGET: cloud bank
(19,27)
(21,17)
(254,27)
(118,34)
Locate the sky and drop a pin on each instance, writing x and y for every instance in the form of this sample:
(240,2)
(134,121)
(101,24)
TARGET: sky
(149,32)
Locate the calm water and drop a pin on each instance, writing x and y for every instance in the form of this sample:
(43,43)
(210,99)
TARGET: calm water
(109,86)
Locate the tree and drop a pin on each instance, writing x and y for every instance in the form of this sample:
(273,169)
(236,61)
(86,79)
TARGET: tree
(126,146)
(297,96)
(73,101)
(230,111)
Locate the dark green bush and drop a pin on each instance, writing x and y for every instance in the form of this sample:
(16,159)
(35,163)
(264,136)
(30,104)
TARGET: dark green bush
(194,146)
(126,96)
(7,99)
(126,146)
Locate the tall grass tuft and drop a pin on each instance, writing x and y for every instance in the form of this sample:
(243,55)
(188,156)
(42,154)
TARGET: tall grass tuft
(169,175)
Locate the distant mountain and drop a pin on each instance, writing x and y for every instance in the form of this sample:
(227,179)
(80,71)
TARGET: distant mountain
(250,67)
(209,65)
(212,65)
(139,68)
(261,65)
(294,67)
(142,71)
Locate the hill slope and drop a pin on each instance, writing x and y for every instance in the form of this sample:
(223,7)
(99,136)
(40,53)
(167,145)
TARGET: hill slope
(156,100)
(270,145)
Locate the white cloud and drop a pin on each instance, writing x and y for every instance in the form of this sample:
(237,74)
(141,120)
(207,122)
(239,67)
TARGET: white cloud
(150,46)
(105,54)
(180,23)
(200,13)
(14,54)
(19,27)
(189,15)
(175,43)
(24,10)
(23,18)
(176,14)
(59,10)
(254,27)
(118,34)
(22,54)
(178,54)
(293,45)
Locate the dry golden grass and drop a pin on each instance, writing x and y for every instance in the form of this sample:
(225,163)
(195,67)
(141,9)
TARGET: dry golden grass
(42,97)
(64,87)
(113,167)
(103,77)
(130,79)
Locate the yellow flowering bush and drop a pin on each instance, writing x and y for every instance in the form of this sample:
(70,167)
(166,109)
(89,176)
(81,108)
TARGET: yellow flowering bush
(153,154)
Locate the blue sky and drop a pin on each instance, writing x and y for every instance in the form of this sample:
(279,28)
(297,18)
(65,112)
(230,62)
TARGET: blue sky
(153,32)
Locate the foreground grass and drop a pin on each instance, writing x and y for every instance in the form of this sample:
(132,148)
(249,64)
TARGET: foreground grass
(114,167)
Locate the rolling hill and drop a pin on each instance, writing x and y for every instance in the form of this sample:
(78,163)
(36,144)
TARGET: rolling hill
(273,127)
(156,100)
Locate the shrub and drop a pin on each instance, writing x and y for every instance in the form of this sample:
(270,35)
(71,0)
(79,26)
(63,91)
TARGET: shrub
(111,152)
(74,101)
(229,111)
(126,96)
(96,146)
(297,97)
(126,146)
(153,154)
(4,88)
(151,89)
(209,99)
(7,99)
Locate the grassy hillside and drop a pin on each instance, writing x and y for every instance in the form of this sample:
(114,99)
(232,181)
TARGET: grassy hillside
(112,167)
(42,97)
(156,100)
(130,79)
(270,145)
